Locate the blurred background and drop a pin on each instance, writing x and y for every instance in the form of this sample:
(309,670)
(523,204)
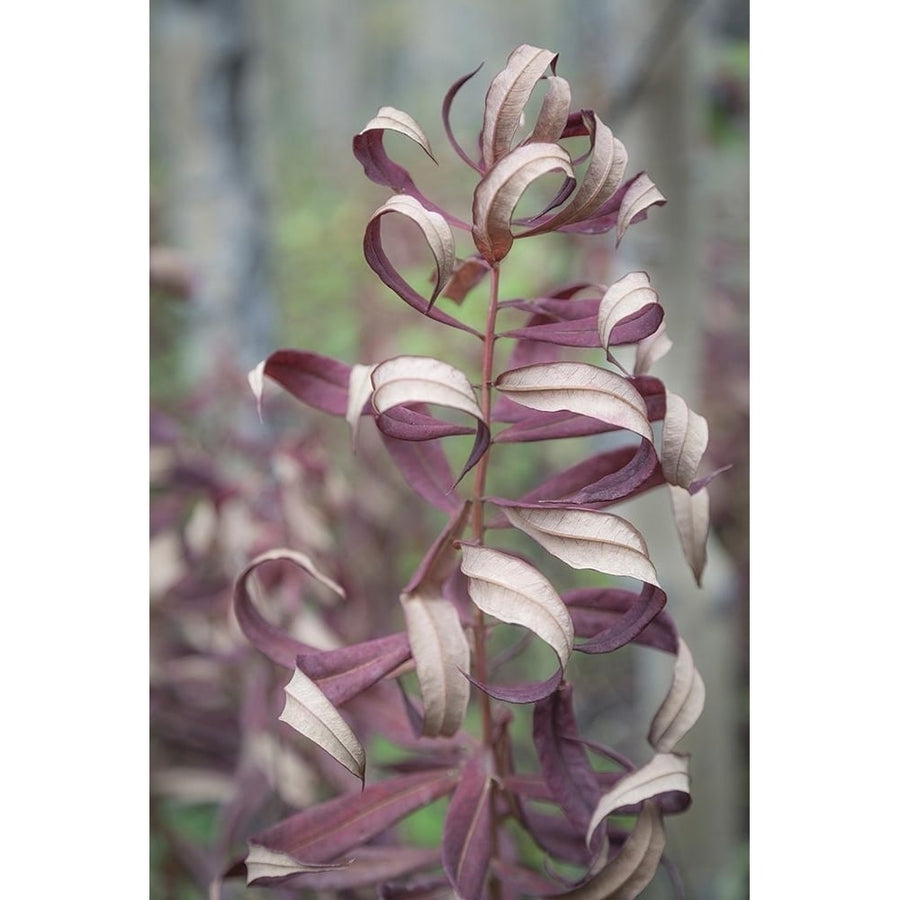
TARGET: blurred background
(257,208)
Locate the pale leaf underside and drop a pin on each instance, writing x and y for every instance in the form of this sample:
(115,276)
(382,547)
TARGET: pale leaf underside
(684,438)
(682,706)
(691,513)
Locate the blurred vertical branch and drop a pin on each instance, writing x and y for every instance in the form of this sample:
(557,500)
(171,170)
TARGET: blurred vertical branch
(203,120)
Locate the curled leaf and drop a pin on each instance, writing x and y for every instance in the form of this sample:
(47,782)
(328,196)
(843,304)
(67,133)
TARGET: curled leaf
(267,867)
(684,438)
(642,193)
(507,97)
(587,539)
(422,379)
(390,119)
(551,120)
(613,617)
(445,116)
(434,228)
(579,388)
(513,591)
(652,349)
(692,521)
(682,706)
(499,192)
(633,867)
(631,307)
(278,646)
(309,711)
(664,773)
(424,467)
(319,381)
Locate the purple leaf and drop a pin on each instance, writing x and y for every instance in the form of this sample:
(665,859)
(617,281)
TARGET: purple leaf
(318,381)
(347,671)
(564,762)
(530,692)
(278,646)
(466,842)
(613,617)
(328,830)
(445,115)
(425,469)
(381,265)
(413,423)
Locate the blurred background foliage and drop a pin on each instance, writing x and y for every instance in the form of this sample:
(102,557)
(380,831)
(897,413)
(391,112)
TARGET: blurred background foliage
(257,213)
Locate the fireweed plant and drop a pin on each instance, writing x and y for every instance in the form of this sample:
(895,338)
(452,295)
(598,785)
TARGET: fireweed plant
(598,825)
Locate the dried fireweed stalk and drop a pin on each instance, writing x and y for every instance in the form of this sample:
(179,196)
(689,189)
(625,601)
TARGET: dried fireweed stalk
(464,587)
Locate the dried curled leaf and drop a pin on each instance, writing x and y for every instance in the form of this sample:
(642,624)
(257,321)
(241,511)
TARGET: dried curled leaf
(434,228)
(309,711)
(507,97)
(267,867)
(390,119)
(684,438)
(513,591)
(422,379)
(587,539)
(579,388)
(642,193)
(631,305)
(499,192)
(633,867)
(683,703)
(554,114)
(314,379)
(691,513)
(652,349)
(664,773)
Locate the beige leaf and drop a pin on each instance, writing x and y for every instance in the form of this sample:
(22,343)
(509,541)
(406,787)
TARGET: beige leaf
(422,379)
(310,712)
(665,772)
(264,863)
(507,97)
(391,119)
(498,193)
(651,349)
(622,299)
(587,539)
(358,392)
(692,521)
(579,388)
(554,114)
(515,592)
(434,228)
(684,438)
(634,865)
(441,653)
(642,193)
(683,703)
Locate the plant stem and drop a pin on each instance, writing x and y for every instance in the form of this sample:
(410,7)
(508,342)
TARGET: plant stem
(480,631)
(487,375)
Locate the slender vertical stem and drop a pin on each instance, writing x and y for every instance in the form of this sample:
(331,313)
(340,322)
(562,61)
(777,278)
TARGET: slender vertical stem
(487,375)
(487,378)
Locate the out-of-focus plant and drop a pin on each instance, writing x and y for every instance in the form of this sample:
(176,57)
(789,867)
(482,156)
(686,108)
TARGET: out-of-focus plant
(589,821)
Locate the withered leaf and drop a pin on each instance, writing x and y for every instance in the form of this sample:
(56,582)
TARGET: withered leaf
(551,120)
(507,97)
(683,703)
(269,640)
(587,539)
(621,305)
(633,867)
(579,388)
(266,867)
(498,193)
(422,379)
(651,349)
(684,438)
(642,193)
(513,591)
(664,773)
(319,381)
(613,617)
(445,116)
(692,521)
(309,711)
(435,230)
